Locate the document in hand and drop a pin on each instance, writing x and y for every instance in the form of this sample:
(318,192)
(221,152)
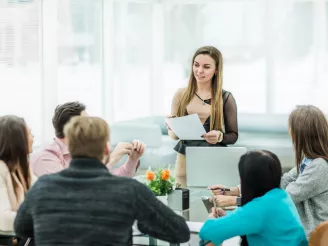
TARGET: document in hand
(187,127)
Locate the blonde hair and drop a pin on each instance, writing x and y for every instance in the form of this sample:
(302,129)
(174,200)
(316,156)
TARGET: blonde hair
(309,132)
(87,136)
(217,101)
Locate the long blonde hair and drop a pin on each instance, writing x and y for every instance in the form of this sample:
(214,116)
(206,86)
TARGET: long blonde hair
(309,132)
(216,102)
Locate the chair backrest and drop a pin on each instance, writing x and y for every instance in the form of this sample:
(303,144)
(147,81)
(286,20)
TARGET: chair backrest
(150,134)
(319,237)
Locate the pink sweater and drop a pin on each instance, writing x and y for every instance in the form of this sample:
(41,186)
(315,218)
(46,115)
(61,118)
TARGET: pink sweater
(56,157)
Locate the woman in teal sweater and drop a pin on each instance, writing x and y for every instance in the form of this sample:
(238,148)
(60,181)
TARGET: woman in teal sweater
(267,216)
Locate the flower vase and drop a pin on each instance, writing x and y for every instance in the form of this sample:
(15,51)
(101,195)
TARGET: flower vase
(163,199)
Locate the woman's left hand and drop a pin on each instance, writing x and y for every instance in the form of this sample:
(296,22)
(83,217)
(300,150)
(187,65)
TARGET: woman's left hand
(217,212)
(212,137)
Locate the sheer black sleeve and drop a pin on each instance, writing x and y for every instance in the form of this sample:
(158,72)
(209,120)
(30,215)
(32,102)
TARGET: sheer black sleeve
(230,120)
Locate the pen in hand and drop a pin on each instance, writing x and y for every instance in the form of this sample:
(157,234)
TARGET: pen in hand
(222,189)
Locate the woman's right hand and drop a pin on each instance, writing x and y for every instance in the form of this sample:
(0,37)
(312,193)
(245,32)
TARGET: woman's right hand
(216,189)
(169,116)
(170,132)
(234,191)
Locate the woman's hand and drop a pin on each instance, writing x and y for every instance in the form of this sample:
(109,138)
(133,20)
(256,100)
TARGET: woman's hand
(216,190)
(170,132)
(217,212)
(169,116)
(213,137)
(225,201)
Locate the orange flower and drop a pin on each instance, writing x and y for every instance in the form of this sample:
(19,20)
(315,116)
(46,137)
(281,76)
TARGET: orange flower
(150,175)
(165,174)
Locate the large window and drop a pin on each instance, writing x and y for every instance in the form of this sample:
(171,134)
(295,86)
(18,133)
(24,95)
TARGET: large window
(274,51)
(132,59)
(236,29)
(20,62)
(79,49)
(125,59)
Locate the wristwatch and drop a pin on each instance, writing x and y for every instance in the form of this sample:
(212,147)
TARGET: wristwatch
(238,201)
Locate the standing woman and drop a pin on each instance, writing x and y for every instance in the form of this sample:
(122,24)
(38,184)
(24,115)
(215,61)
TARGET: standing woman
(215,107)
(307,183)
(16,143)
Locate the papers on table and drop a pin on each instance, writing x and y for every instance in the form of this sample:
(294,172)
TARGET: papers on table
(195,226)
(187,127)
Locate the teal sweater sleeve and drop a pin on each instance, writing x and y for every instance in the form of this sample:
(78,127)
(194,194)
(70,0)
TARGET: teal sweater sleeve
(244,220)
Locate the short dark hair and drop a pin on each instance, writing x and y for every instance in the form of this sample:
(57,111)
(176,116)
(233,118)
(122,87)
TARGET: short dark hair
(63,114)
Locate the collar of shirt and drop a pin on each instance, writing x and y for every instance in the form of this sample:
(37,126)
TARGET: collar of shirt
(63,147)
(306,161)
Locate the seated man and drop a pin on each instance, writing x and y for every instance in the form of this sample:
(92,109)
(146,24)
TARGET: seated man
(86,205)
(56,156)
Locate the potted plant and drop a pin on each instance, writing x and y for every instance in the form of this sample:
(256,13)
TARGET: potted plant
(161,183)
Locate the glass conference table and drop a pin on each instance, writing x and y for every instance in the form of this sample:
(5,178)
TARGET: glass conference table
(196,213)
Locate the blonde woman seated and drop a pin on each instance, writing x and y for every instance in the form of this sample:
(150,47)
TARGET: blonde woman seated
(15,176)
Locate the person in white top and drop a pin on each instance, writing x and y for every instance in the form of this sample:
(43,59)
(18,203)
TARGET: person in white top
(16,178)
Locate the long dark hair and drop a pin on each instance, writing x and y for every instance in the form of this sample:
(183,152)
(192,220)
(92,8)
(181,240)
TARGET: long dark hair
(260,172)
(14,147)
(309,131)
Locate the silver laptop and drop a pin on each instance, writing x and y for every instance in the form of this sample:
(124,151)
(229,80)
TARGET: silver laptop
(213,165)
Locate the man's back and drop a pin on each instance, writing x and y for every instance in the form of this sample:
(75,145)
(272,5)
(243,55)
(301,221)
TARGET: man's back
(84,204)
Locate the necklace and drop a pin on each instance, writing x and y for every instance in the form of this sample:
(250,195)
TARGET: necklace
(203,100)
